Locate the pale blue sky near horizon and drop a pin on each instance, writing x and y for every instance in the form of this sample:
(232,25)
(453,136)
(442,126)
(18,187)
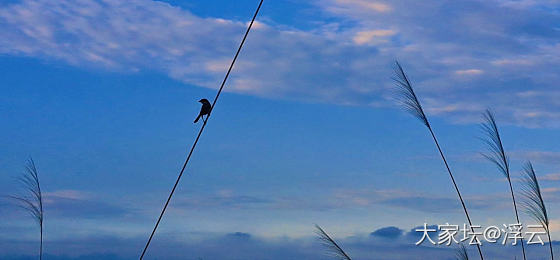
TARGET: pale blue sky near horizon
(102,95)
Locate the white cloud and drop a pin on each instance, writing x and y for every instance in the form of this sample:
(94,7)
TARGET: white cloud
(551,177)
(548,157)
(550,190)
(502,62)
(367,4)
(363,37)
(148,35)
(555,225)
(469,72)
(524,4)
(341,62)
(67,194)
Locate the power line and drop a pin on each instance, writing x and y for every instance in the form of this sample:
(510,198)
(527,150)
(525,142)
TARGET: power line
(201,130)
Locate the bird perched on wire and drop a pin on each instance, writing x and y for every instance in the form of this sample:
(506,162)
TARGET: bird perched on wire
(204,110)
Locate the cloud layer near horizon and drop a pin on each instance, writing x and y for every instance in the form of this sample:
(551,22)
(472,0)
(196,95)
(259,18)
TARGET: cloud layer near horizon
(399,244)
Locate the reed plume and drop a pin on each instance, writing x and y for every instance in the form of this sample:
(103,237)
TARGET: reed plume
(32,199)
(497,155)
(534,203)
(409,100)
(333,248)
(462,253)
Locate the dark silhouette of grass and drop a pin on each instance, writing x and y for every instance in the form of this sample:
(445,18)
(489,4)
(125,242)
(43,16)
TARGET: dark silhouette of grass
(333,248)
(534,203)
(408,98)
(32,199)
(462,253)
(497,155)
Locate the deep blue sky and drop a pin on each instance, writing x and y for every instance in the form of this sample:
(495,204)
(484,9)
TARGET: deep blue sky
(102,95)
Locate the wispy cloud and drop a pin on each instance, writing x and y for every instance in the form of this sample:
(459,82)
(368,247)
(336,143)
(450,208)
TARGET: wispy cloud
(369,5)
(149,35)
(77,205)
(225,201)
(551,177)
(370,36)
(515,50)
(413,200)
(66,194)
(336,200)
(548,157)
(469,72)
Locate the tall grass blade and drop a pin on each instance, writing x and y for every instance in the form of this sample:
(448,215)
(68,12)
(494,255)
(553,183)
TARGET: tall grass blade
(497,155)
(333,248)
(408,98)
(534,203)
(462,253)
(32,198)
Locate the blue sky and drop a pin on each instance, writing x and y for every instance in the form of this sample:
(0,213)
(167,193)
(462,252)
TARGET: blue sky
(102,95)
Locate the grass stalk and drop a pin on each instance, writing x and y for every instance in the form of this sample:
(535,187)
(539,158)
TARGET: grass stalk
(410,101)
(462,253)
(534,203)
(333,248)
(32,199)
(497,155)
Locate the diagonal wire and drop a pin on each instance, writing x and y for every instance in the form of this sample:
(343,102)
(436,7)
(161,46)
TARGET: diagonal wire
(201,130)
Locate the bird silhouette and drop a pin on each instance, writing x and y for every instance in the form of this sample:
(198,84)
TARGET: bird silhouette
(204,110)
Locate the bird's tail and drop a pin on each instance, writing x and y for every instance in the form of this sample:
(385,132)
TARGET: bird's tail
(197,118)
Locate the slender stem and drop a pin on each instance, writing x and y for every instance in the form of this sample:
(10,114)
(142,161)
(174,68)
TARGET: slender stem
(549,243)
(41,216)
(516,214)
(41,246)
(506,164)
(455,185)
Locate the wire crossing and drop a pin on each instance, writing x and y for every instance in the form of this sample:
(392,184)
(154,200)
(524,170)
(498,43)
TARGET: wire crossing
(201,130)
